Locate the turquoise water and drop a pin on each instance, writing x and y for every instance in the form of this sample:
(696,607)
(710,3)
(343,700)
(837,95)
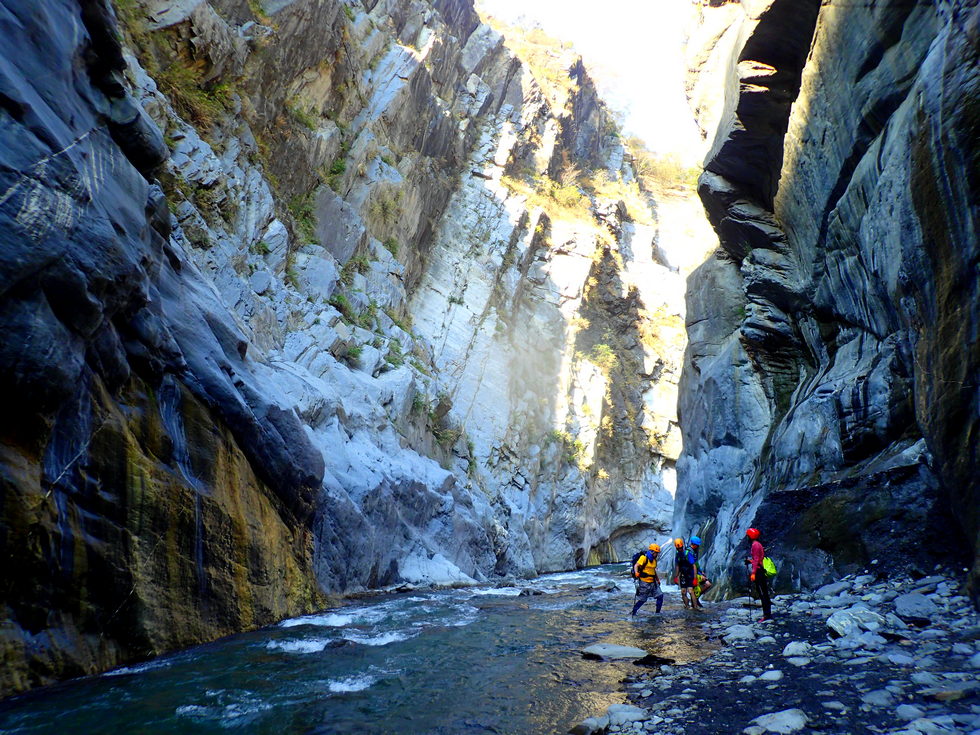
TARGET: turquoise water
(429,661)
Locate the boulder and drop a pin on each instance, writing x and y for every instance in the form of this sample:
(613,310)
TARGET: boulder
(786,721)
(797,648)
(916,608)
(832,589)
(591,726)
(852,621)
(621,714)
(738,633)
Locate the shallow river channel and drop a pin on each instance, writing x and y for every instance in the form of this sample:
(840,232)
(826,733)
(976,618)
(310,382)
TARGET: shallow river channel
(474,660)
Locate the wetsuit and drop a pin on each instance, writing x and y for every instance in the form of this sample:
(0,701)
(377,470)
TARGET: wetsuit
(685,569)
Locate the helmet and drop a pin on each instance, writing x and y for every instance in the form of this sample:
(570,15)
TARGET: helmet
(696,540)
(655,548)
(753,533)
(679,543)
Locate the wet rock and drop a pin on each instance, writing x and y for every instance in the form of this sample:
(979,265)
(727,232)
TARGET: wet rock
(797,648)
(591,726)
(774,675)
(621,714)
(786,721)
(878,698)
(739,633)
(916,608)
(852,621)
(832,589)
(612,652)
(953,692)
(901,659)
(908,712)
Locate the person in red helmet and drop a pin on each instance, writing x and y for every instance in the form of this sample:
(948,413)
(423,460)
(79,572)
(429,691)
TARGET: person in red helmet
(757,575)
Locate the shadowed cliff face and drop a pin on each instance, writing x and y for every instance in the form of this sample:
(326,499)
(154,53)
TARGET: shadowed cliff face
(152,497)
(304,297)
(830,394)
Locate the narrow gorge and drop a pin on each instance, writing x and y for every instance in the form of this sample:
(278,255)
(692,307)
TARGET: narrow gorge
(305,299)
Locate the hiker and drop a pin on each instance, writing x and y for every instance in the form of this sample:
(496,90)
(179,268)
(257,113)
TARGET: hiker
(757,574)
(684,574)
(701,583)
(645,570)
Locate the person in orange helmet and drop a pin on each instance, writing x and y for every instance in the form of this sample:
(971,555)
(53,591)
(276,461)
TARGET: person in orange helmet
(685,574)
(757,575)
(645,570)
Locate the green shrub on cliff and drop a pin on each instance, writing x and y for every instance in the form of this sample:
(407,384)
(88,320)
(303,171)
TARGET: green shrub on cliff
(301,207)
(202,103)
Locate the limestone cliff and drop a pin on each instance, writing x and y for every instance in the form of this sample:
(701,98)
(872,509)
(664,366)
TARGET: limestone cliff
(301,297)
(830,385)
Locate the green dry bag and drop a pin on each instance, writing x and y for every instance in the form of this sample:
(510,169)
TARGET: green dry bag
(769,565)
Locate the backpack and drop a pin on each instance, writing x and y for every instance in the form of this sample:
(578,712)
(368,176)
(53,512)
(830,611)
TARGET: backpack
(636,558)
(769,565)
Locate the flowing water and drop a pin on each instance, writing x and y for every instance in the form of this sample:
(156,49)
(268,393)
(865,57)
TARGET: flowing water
(475,660)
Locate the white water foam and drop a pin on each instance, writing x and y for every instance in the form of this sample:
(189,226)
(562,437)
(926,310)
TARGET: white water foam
(232,708)
(496,592)
(138,669)
(326,620)
(309,645)
(379,640)
(352,683)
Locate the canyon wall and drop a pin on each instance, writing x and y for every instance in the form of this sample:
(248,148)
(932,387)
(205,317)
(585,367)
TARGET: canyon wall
(830,387)
(300,298)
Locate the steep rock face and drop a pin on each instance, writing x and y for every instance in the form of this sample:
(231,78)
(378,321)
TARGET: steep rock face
(304,297)
(132,520)
(830,395)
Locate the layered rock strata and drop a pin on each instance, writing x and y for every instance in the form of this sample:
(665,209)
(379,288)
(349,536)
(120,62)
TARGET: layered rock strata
(305,297)
(830,387)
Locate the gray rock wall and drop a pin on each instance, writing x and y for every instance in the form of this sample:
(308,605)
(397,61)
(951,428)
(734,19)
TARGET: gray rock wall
(291,307)
(830,397)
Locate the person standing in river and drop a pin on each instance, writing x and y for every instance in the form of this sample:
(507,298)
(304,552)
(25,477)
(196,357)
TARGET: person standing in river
(757,574)
(645,570)
(685,573)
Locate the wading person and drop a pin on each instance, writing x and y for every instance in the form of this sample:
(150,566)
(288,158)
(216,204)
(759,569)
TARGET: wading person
(684,574)
(757,574)
(645,570)
(701,582)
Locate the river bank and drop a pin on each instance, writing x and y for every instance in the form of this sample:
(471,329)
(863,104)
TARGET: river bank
(859,655)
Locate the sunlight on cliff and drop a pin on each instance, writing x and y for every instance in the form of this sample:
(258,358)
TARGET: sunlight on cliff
(636,215)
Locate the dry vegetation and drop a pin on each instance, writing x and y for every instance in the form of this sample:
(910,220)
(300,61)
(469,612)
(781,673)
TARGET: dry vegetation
(658,174)
(547,58)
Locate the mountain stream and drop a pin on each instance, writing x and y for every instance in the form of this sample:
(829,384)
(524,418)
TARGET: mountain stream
(474,660)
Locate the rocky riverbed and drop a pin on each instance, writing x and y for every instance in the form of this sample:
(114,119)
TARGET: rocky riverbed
(858,655)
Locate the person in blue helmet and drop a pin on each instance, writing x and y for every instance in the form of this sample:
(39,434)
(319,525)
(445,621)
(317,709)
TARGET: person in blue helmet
(693,553)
